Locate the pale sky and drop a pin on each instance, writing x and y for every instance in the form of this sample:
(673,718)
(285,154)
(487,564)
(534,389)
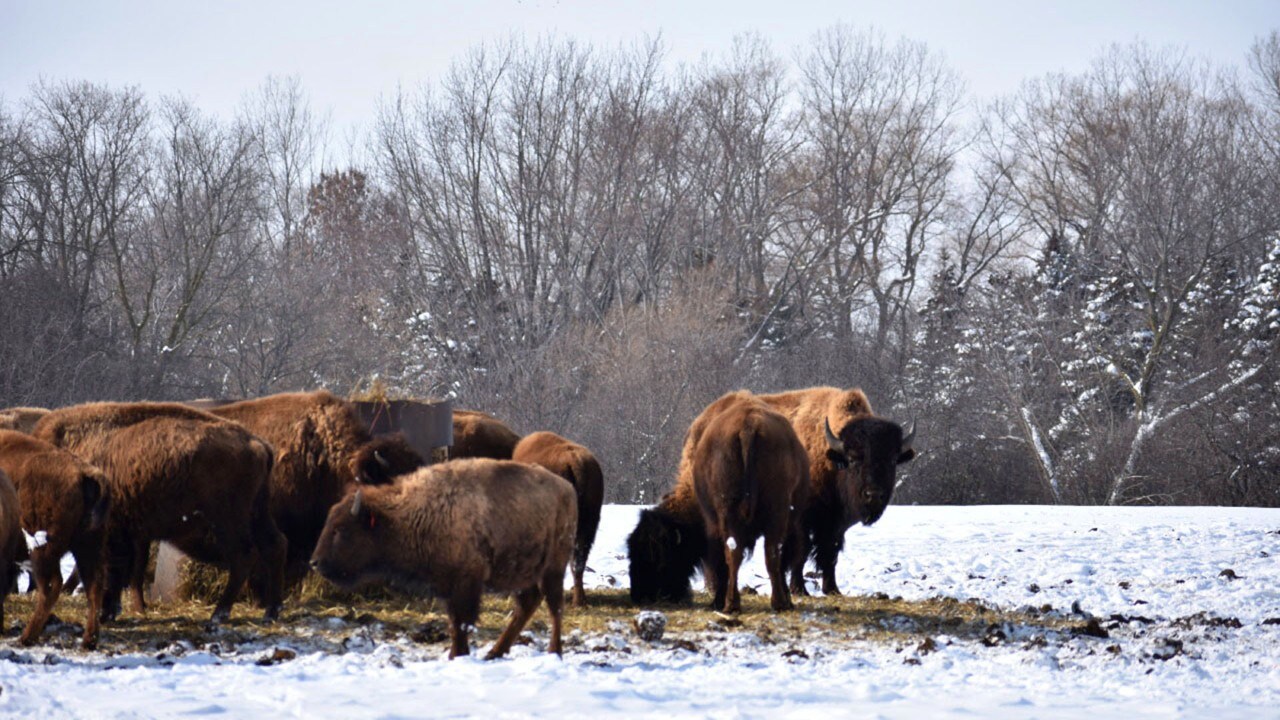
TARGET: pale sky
(348,54)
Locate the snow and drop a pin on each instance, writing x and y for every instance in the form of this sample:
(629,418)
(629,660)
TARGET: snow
(1158,568)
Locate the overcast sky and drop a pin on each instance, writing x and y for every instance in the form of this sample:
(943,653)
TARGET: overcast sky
(349,53)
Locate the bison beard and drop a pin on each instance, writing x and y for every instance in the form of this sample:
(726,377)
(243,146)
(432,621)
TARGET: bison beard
(454,530)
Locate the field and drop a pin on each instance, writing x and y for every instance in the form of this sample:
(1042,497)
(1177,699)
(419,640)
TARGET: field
(1015,611)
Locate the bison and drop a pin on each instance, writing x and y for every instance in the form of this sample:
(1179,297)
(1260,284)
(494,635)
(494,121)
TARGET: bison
(454,530)
(576,464)
(478,434)
(64,501)
(323,449)
(22,419)
(13,545)
(853,460)
(745,474)
(180,475)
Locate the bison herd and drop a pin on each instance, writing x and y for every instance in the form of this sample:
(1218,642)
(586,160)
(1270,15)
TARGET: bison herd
(271,488)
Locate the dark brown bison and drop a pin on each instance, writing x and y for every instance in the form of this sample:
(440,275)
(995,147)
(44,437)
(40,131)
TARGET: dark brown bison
(853,461)
(323,449)
(22,419)
(180,475)
(478,434)
(13,545)
(576,464)
(747,476)
(64,501)
(454,530)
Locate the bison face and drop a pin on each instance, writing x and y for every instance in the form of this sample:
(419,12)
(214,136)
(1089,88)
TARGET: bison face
(867,453)
(382,459)
(349,551)
(663,553)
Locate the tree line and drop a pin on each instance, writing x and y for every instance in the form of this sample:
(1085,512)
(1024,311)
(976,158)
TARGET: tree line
(1072,290)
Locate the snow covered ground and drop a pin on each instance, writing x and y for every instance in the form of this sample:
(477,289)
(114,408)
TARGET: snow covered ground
(1190,598)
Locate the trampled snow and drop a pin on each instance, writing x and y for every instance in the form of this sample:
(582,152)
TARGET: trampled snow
(1196,591)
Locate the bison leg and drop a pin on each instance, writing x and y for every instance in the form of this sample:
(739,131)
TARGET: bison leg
(527,601)
(826,550)
(553,589)
(272,552)
(781,597)
(88,555)
(46,576)
(795,551)
(733,552)
(138,574)
(464,610)
(714,573)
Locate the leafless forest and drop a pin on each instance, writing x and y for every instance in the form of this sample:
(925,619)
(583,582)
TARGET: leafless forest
(1073,290)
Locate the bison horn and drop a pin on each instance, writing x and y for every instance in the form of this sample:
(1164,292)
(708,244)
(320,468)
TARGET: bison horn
(386,465)
(357,505)
(835,442)
(911,435)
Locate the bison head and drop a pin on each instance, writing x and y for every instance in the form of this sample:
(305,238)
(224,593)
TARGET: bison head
(351,548)
(380,460)
(663,553)
(867,453)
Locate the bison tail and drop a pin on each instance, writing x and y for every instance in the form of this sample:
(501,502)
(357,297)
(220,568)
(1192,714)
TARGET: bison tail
(748,440)
(97,499)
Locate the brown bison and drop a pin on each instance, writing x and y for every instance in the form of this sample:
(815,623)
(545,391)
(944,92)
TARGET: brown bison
(478,434)
(180,475)
(13,545)
(454,530)
(576,464)
(853,461)
(22,419)
(64,501)
(322,450)
(746,475)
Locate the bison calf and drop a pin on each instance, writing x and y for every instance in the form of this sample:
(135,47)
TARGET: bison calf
(454,530)
(66,499)
(576,464)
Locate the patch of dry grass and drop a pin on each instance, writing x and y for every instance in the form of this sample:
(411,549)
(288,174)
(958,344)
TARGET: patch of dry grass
(832,620)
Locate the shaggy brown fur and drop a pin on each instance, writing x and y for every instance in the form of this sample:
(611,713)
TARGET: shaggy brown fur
(478,434)
(751,478)
(318,439)
(13,546)
(454,530)
(669,540)
(850,487)
(22,419)
(180,475)
(66,498)
(576,464)
(686,527)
